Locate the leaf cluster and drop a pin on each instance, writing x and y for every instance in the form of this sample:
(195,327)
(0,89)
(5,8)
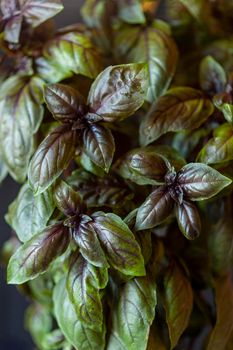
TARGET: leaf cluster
(120,130)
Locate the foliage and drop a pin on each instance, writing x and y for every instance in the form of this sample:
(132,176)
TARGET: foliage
(120,132)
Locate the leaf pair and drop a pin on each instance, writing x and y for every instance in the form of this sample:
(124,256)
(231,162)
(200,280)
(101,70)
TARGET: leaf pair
(194,182)
(32,12)
(115,94)
(102,238)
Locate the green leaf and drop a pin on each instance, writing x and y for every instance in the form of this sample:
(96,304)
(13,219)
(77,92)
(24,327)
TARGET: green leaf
(119,244)
(51,158)
(223,101)
(81,336)
(35,256)
(119,91)
(65,103)
(131,11)
(156,208)
(153,46)
(28,214)
(212,76)
(224,304)
(83,284)
(89,245)
(21,115)
(133,315)
(195,7)
(220,148)
(143,166)
(68,54)
(188,219)
(99,145)
(67,200)
(199,181)
(181,108)
(177,298)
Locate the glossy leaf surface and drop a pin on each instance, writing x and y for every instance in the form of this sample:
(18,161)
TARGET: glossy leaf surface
(67,199)
(156,208)
(68,54)
(35,256)
(199,181)
(66,103)
(99,145)
(119,91)
(119,244)
(83,283)
(51,158)
(188,219)
(179,109)
(89,245)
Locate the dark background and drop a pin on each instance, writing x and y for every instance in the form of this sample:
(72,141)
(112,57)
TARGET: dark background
(12,304)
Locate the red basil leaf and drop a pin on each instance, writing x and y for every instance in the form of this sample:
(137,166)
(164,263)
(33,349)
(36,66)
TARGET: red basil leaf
(51,158)
(119,91)
(188,219)
(181,108)
(143,166)
(89,245)
(156,208)
(83,283)
(67,200)
(65,103)
(13,28)
(119,244)
(36,12)
(177,297)
(99,145)
(199,181)
(35,256)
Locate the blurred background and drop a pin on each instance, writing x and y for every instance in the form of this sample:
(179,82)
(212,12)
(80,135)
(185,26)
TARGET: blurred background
(12,303)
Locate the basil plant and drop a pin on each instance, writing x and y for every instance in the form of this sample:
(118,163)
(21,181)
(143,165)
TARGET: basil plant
(120,132)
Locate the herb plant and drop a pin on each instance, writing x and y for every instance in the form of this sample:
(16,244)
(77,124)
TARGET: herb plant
(120,132)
